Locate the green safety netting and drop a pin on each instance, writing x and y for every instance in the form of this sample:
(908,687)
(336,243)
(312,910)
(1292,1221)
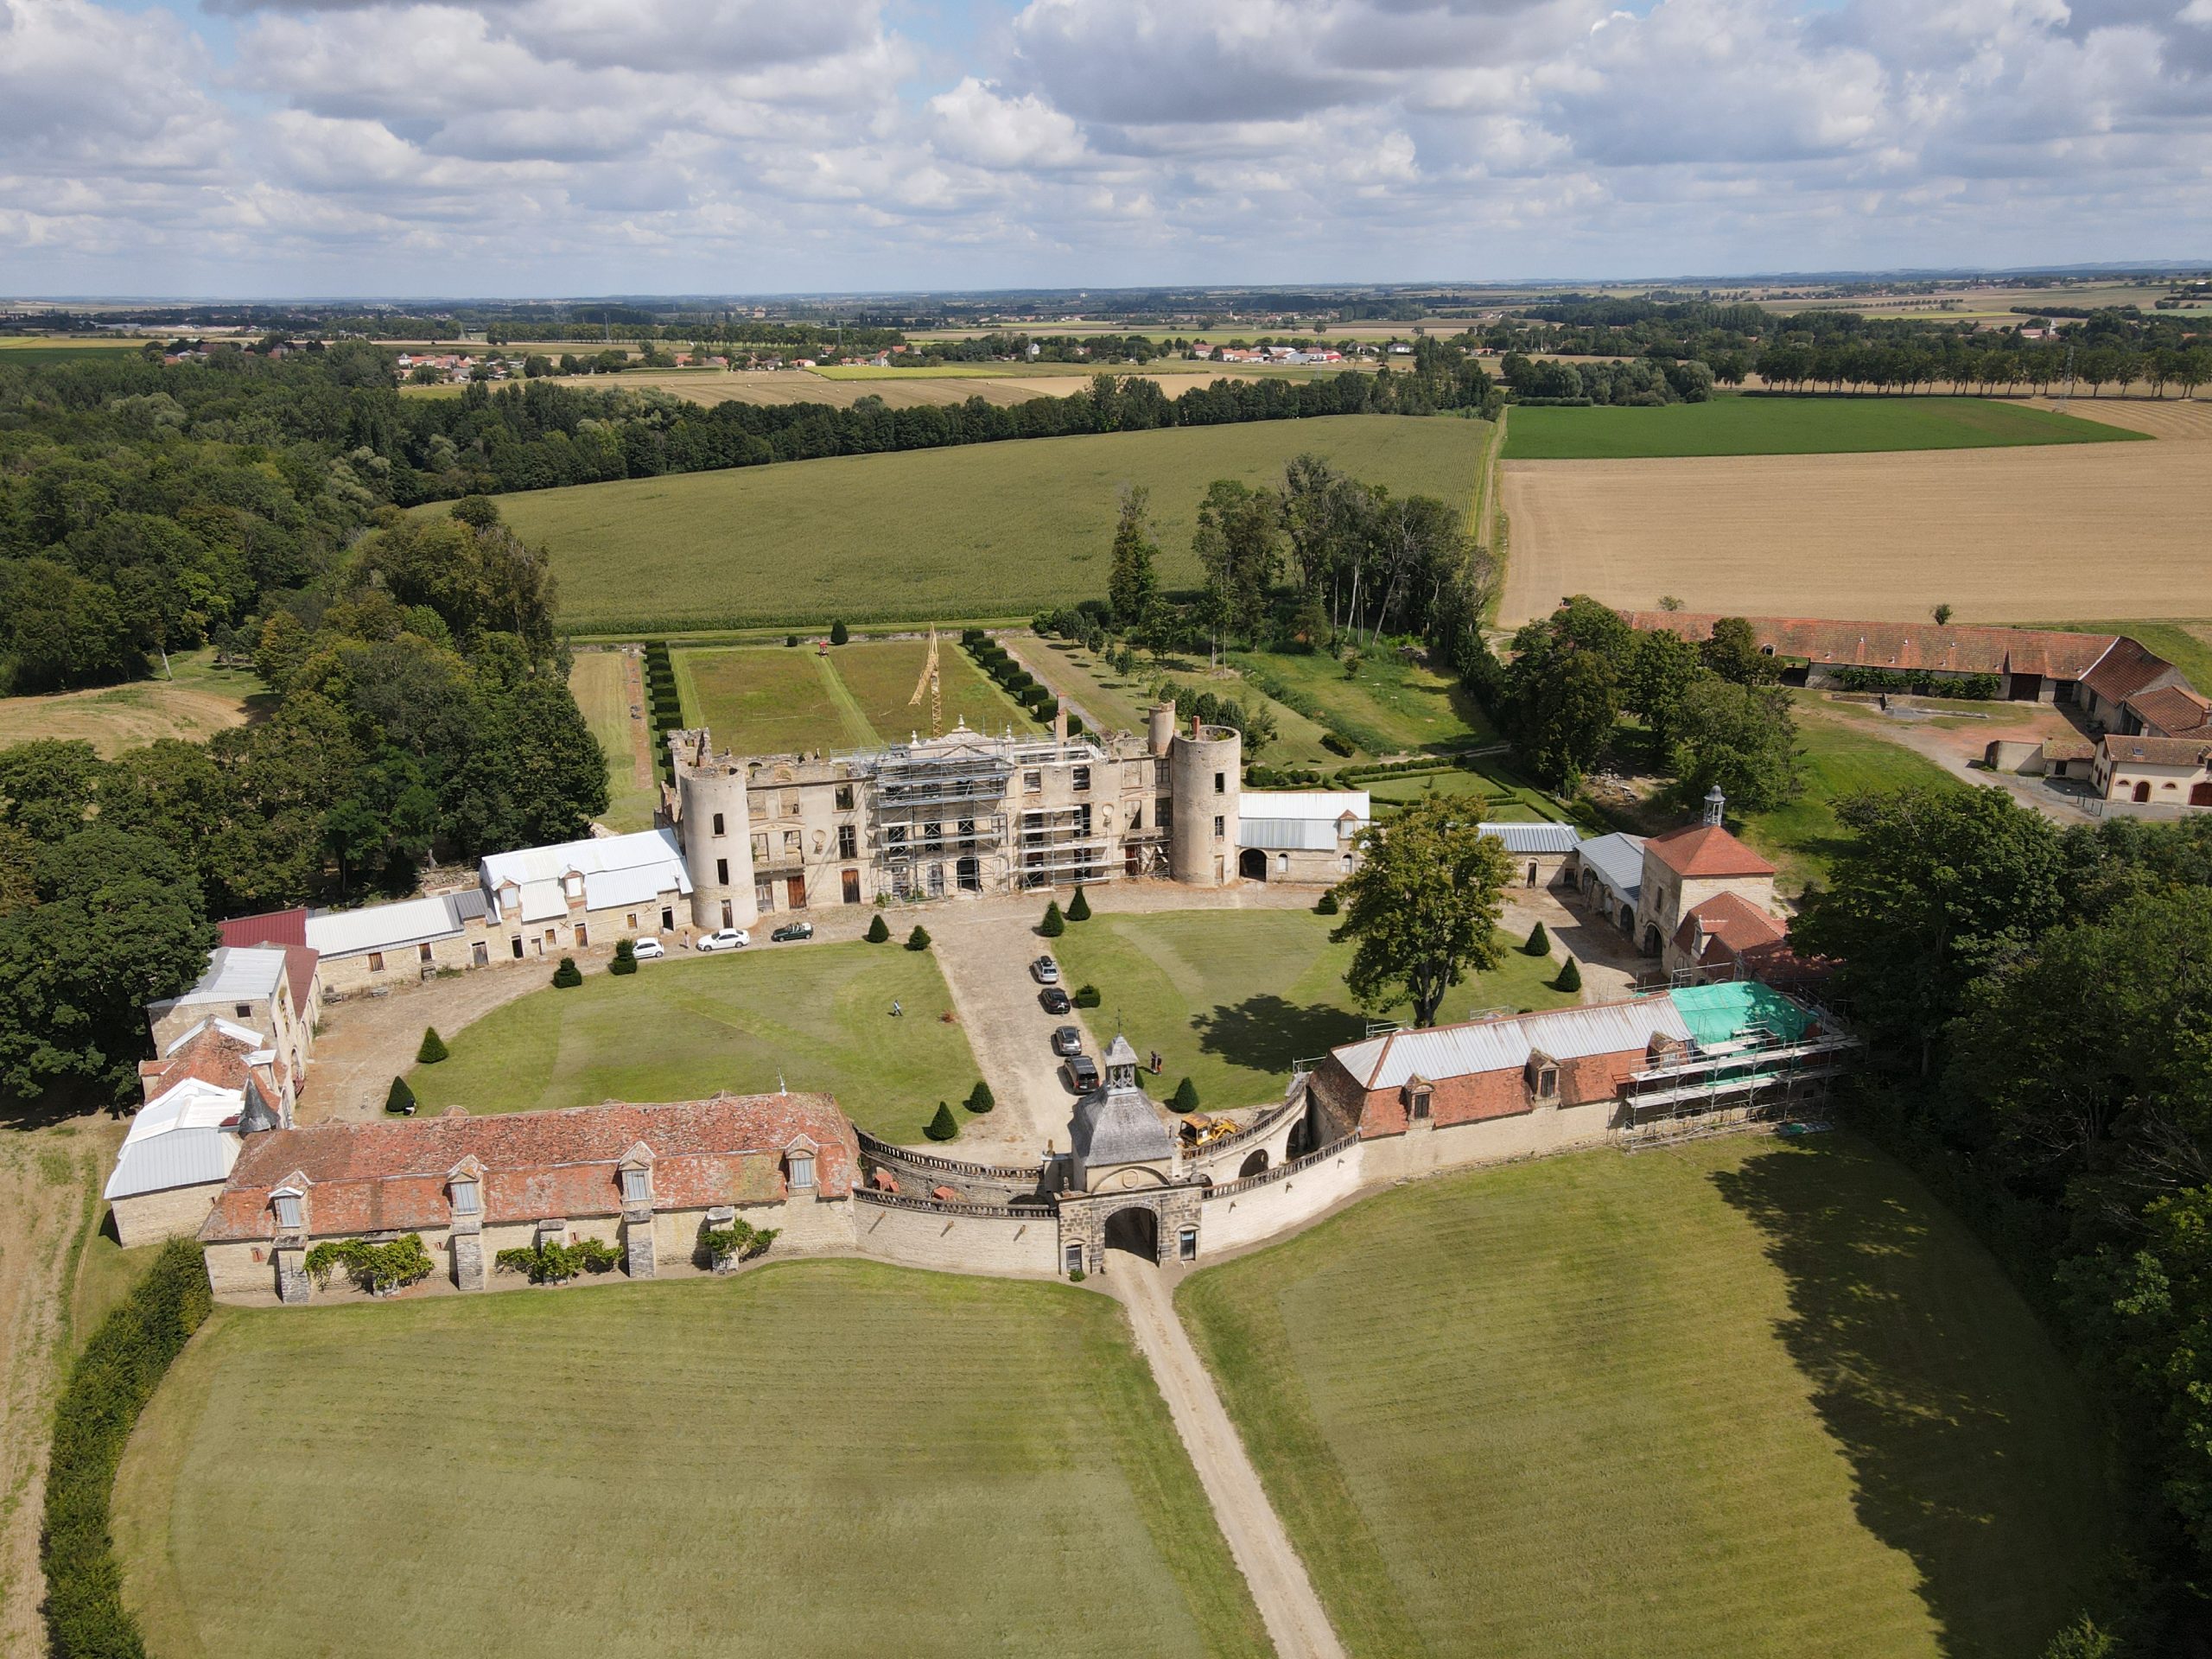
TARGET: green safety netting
(1715,1013)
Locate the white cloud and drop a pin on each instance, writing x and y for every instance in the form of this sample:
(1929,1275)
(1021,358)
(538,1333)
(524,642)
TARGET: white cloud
(588,145)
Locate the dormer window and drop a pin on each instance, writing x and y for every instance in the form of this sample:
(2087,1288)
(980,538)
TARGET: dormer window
(636,1186)
(290,1213)
(1417,1095)
(468,1198)
(801,1165)
(1544,1077)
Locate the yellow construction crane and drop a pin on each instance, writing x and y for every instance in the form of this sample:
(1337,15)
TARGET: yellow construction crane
(929,683)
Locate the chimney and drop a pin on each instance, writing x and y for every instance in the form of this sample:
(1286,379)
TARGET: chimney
(1197,730)
(1163,726)
(1059,721)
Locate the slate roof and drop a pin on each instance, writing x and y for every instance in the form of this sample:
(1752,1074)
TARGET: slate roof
(1705,850)
(1950,648)
(1120,1126)
(1538,838)
(1619,859)
(371,1177)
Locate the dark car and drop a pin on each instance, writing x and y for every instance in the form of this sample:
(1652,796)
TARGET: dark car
(791,930)
(1082,1073)
(1055,1000)
(1067,1041)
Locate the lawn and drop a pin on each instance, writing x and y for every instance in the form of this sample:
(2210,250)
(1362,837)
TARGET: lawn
(987,530)
(1389,706)
(1230,998)
(1742,1396)
(1507,800)
(199,701)
(818,1458)
(1840,759)
(1773,425)
(769,700)
(812,1017)
(776,700)
(599,684)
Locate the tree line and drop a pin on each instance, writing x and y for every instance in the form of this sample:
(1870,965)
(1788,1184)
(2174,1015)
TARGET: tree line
(421,711)
(2037,1003)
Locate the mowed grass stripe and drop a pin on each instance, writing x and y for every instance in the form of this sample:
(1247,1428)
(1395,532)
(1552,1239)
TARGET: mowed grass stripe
(812,1017)
(1740,1397)
(819,1458)
(989,529)
(1775,425)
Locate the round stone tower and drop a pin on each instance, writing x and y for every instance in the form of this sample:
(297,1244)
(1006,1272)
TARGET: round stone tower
(1204,774)
(712,823)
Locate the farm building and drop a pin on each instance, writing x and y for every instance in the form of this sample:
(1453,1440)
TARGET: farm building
(2154,771)
(273,990)
(544,899)
(406,939)
(1311,836)
(2096,672)
(1540,852)
(212,1086)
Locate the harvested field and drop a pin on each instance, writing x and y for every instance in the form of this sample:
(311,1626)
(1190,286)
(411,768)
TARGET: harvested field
(2003,535)
(2174,420)
(1000,383)
(988,529)
(199,702)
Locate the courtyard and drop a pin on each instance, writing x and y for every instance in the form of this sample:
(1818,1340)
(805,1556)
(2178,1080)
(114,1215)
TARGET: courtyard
(818,1457)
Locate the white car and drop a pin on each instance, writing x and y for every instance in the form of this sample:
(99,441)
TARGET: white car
(728,938)
(647,950)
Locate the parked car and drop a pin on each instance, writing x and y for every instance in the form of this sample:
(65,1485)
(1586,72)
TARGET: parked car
(1047,970)
(1055,999)
(728,938)
(648,951)
(1082,1073)
(1067,1041)
(791,930)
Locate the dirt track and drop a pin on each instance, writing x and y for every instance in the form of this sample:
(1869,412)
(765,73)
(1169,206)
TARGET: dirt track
(2003,535)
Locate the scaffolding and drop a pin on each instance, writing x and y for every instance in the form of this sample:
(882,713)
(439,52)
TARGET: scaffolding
(1755,1076)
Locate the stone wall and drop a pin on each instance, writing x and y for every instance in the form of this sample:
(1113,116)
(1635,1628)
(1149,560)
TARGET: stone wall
(1424,1149)
(149,1217)
(1245,1214)
(924,1235)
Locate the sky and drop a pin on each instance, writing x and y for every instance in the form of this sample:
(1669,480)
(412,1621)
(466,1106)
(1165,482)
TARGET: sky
(555,148)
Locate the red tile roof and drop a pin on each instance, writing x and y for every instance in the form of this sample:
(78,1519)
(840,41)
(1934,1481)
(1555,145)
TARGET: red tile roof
(1730,923)
(271,927)
(537,1165)
(1705,849)
(2157,751)
(211,1055)
(2174,709)
(1952,648)
(2128,669)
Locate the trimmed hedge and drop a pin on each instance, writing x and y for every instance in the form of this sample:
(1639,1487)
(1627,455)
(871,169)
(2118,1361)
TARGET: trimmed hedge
(108,1387)
(944,1125)
(1570,977)
(980,1098)
(432,1049)
(1088,996)
(568,975)
(878,931)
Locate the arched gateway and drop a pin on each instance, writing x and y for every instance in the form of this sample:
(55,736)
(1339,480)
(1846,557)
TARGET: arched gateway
(1128,1191)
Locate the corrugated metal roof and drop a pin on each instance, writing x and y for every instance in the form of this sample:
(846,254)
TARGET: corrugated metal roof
(1287,835)
(1330,804)
(1504,1045)
(1534,837)
(178,1140)
(590,856)
(611,889)
(543,901)
(383,927)
(1618,861)
(238,974)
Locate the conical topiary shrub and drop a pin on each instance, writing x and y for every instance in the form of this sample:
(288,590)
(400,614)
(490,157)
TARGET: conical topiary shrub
(1539,942)
(839,633)
(1054,924)
(1078,906)
(433,1047)
(980,1098)
(1186,1097)
(944,1125)
(877,932)
(1570,977)
(568,975)
(400,1098)
(918,939)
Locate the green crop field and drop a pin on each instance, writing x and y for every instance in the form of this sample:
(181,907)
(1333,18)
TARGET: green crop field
(1230,998)
(777,700)
(987,530)
(1779,425)
(1740,1396)
(1387,707)
(815,1017)
(832,1459)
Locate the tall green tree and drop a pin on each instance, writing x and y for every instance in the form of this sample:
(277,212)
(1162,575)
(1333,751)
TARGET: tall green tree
(1132,584)
(1733,653)
(1662,667)
(1937,886)
(1239,546)
(1741,740)
(48,787)
(1421,910)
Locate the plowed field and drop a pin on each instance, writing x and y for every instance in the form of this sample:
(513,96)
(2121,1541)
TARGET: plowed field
(2002,535)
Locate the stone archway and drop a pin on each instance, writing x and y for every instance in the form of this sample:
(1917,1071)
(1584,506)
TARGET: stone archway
(1255,1164)
(1135,1229)
(1252,864)
(1653,945)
